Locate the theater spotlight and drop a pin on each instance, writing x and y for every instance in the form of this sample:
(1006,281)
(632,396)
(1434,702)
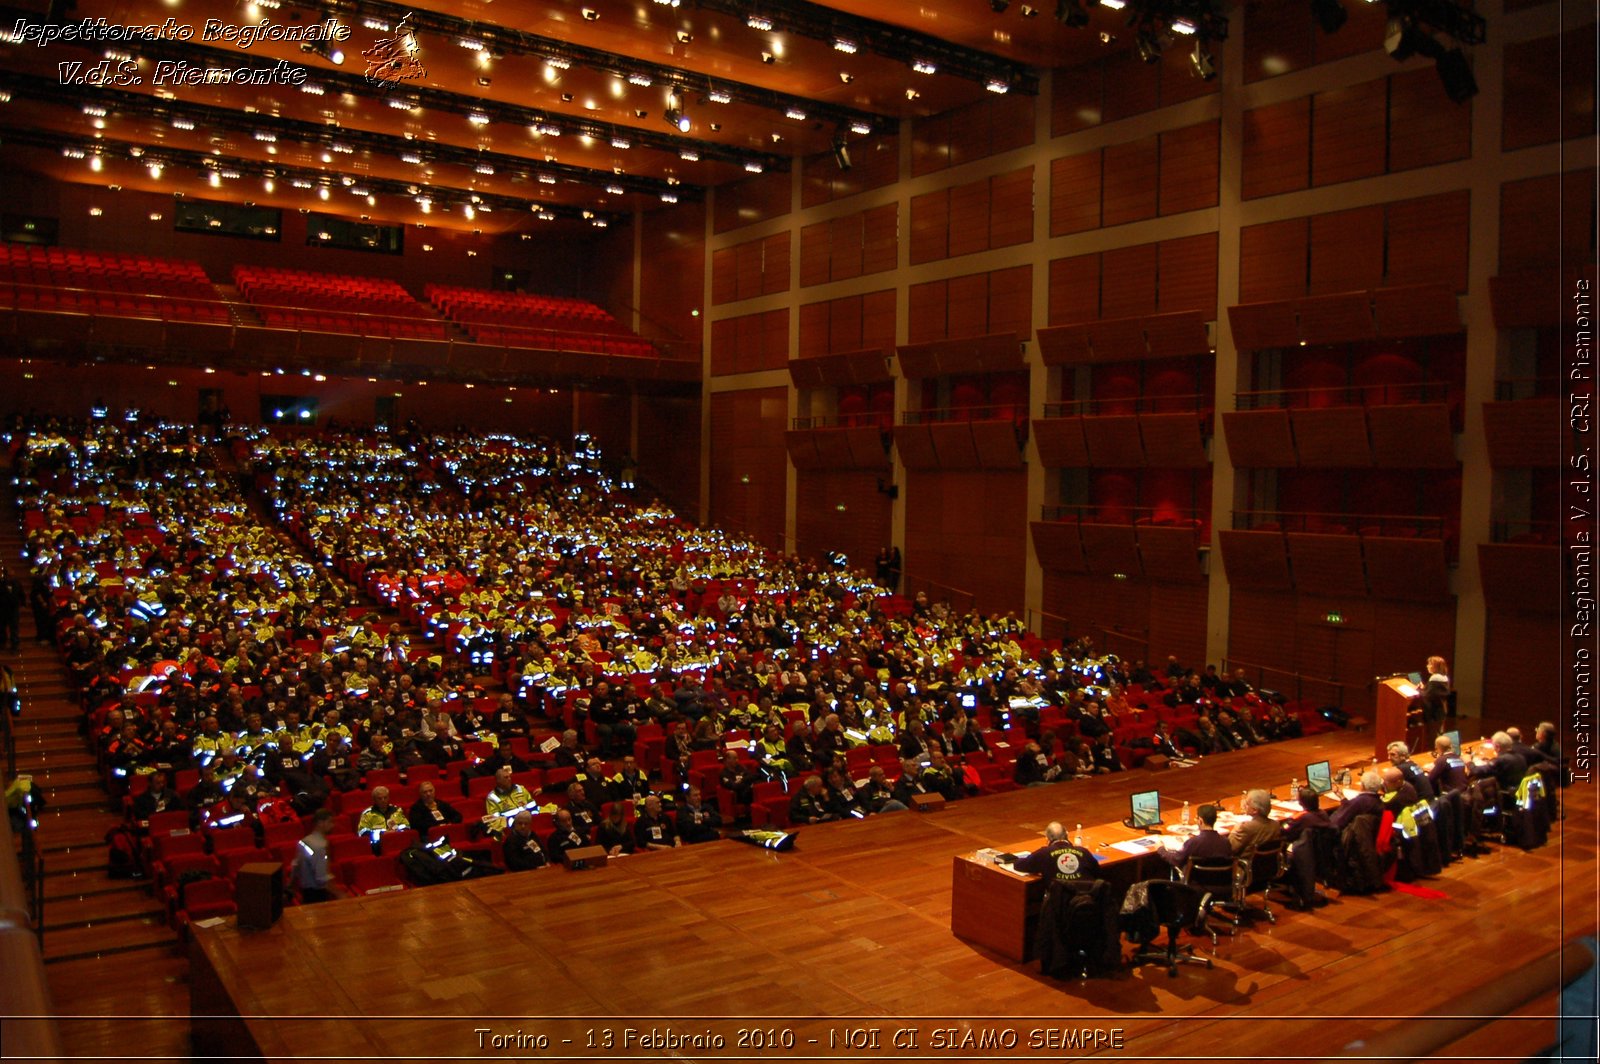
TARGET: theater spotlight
(1456,74)
(841,150)
(1148,45)
(674,114)
(1201,63)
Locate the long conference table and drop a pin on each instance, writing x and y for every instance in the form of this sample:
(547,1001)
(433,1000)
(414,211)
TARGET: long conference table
(993,906)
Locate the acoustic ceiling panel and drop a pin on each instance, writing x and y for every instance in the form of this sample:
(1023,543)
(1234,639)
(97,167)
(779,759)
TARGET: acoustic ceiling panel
(1173,441)
(1523,433)
(1111,549)
(1255,560)
(1259,439)
(1326,565)
(1113,441)
(1332,437)
(1415,436)
(1399,568)
(1058,546)
(1060,441)
(1170,554)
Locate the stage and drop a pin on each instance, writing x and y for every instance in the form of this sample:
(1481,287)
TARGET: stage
(843,946)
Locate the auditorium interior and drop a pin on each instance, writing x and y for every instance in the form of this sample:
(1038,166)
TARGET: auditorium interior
(1095,365)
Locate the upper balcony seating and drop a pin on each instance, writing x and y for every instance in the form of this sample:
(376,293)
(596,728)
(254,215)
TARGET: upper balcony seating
(548,322)
(330,302)
(106,282)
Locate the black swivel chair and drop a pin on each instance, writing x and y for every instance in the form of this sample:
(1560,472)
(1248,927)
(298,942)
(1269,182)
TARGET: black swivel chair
(1260,871)
(1220,879)
(1172,906)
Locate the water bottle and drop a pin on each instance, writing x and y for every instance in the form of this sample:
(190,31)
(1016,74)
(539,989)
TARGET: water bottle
(1183,817)
(1077,836)
(1242,796)
(1294,788)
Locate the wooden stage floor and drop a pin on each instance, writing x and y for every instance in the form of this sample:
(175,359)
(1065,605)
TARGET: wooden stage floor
(851,930)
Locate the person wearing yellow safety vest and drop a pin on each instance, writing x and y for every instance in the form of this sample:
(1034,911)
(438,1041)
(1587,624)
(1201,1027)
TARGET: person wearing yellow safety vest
(381,816)
(774,754)
(503,801)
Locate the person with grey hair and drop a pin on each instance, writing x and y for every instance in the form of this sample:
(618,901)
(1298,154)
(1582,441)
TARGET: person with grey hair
(1497,758)
(1367,801)
(1410,771)
(1246,838)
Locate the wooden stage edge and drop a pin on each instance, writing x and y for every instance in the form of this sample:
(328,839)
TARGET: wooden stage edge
(842,948)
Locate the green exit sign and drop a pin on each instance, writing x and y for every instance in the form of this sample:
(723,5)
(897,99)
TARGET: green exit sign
(1335,617)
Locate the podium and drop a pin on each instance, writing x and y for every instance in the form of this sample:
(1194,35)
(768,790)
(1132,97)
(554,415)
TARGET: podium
(1395,696)
(258,890)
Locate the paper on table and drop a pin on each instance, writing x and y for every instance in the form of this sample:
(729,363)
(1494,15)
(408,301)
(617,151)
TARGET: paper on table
(1137,846)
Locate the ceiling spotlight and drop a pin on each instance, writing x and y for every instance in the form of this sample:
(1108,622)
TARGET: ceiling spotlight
(757,22)
(716,96)
(1330,14)
(768,58)
(860,128)
(912,94)
(590,15)
(795,114)
(1148,45)
(846,78)
(1201,63)
(923,66)
(1071,13)
(998,85)
(615,190)
(848,47)
(716,127)
(1183,26)
(1029,12)
(675,116)
(641,80)
(684,36)
(621,142)
(1456,74)
(753,167)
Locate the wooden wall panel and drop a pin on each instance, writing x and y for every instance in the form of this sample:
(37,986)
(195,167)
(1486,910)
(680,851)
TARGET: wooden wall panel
(1521,577)
(969,530)
(775,251)
(1113,441)
(1260,626)
(670,464)
(1544,220)
(1187,275)
(1170,554)
(1540,108)
(675,241)
(750,342)
(1331,438)
(844,324)
(1425,127)
(1061,443)
(814,252)
(1259,439)
(1346,250)
(1521,670)
(749,462)
(1277,148)
(1273,260)
(1189,168)
(930,226)
(1415,436)
(1076,98)
(860,530)
(1410,569)
(845,236)
(928,304)
(1058,546)
(875,163)
(750,200)
(1129,190)
(1111,549)
(1277,38)
(1177,621)
(1427,241)
(1172,441)
(1074,289)
(969,218)
(880,238)
(1011,208)
(878,319)
(1132,86)
(814,319)
(724,276)
(967,307)
(1348,132)
(1011,301)
(1075,194)
(1128,282)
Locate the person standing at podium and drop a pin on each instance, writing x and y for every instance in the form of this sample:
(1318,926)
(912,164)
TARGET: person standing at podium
(1435,694)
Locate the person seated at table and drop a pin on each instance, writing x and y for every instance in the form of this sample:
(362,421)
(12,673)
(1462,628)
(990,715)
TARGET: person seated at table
(521,847)
(1448,772)
(1400,758)
(1495,758)
(1205,845)
(1367,800)
(1258,831)
(430,811)
(1299,834)
(1548,743)
(1060,860)
(1034,767)
(1531,754)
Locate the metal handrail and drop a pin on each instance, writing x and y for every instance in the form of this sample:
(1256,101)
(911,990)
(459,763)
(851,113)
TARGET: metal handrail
(1141,404)
(1117,515)
(1312,521)
(1344,395)
(1299,679)
(882,420)
(977,412)
(1510,389)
